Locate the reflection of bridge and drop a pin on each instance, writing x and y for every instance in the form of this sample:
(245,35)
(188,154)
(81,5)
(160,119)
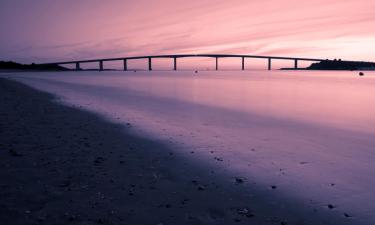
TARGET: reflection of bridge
(175,57)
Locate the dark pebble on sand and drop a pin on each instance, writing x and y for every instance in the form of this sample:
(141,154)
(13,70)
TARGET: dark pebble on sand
(273,187)
(245,212)
(65,183)
(72,218)
(239,180)
(218,159)
(330,206)
(98,160)
(13,152)
(361,74)
(347,215)
(183,202)
(201,188)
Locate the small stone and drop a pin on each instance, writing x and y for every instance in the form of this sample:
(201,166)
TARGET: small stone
(201,188)
(41,218)
(218,159)
(361,74)
(239,180)
(330,206)
(245,212)
(347,215)
(65,183)
(273,187)
(72,218)
(98,160)
(13,152)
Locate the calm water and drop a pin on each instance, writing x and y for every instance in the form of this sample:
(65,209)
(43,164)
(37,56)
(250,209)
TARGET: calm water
(338,99)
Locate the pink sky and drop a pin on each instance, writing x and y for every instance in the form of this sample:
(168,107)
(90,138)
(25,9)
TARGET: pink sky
(43,30)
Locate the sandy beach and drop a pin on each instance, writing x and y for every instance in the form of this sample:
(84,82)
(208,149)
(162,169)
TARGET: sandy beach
(63,165)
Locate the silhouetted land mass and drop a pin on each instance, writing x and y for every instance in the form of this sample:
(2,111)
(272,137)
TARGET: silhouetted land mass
(9,65)
(337,65)
(341,65)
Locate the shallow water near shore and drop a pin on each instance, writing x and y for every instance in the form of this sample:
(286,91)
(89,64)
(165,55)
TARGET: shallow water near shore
(309,135)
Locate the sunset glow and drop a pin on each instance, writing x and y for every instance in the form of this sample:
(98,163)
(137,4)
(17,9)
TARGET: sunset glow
(41,30)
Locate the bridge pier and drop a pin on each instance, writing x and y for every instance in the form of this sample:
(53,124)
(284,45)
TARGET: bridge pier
(100,65)
(149,64)
(174,63)
(295,64)
(77,66)
(125,64)
(243,63)
(217,63)
(269,63)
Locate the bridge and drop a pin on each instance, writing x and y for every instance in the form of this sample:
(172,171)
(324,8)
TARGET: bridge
(125,60)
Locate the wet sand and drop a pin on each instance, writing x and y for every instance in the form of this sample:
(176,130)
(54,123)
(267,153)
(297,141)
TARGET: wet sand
(62,165)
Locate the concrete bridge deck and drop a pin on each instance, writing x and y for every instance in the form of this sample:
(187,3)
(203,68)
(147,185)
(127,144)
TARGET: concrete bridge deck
(175,57)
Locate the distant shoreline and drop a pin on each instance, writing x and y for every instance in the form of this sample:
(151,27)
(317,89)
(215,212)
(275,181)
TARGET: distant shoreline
(333,65)
(338,65)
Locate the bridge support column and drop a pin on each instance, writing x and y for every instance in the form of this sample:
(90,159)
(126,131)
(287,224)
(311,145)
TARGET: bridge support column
(149,64)
(295,64)
(269,63)
(100,65)
(243,63)
(217,63)
(174,63)
(125,64)
(77,66)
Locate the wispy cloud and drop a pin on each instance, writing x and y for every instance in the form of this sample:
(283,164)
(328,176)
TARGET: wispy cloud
(43,29)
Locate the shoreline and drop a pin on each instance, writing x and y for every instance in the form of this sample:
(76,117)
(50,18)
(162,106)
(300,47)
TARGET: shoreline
(61,165)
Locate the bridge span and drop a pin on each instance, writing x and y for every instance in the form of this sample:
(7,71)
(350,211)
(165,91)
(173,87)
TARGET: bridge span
(125,60)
